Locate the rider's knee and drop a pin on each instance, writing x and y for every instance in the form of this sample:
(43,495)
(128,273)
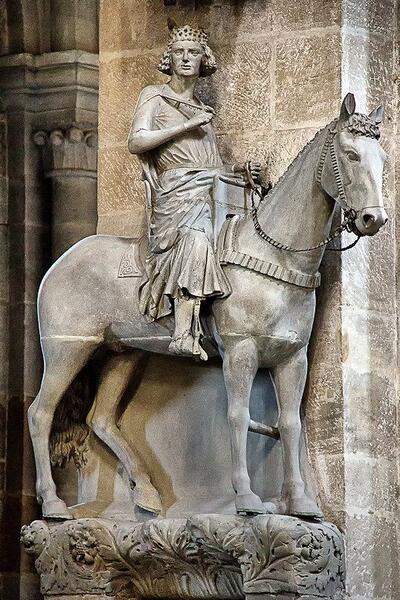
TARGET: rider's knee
(198,237)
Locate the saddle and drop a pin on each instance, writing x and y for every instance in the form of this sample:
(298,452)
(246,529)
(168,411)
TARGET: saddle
(133,260)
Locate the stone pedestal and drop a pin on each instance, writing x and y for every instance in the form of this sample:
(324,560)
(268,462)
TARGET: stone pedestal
(204,556)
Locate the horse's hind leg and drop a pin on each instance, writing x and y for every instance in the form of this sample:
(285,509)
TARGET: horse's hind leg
(102,419)
(240,367)
(63,360)
(289,378)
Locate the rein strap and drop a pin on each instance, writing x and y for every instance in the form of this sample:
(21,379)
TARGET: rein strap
(229,254)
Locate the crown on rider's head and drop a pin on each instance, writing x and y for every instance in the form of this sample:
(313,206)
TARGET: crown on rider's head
(187,33)
(190,34)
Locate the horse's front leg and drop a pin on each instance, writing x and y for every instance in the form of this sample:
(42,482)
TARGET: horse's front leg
(240,367)
(289,378)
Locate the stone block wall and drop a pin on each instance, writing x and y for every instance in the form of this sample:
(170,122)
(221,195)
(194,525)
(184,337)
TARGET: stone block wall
(48,80)
(267,104)
(4,313)
(283,69)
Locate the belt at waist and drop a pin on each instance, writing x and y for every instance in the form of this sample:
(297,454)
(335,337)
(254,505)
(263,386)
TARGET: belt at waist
(188,166)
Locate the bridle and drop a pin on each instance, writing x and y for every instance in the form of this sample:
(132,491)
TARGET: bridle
(350,214)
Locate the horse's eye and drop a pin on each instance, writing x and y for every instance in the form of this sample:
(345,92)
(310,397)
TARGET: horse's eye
(351,155)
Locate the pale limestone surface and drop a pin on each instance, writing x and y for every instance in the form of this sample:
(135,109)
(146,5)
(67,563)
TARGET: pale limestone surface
(343,382)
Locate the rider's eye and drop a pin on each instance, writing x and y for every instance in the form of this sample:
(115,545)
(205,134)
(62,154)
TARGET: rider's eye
(352,155)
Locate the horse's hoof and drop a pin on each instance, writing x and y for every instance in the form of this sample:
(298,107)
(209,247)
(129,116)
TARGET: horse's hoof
(148,500)
(304,507)
(249,504)
(56,510)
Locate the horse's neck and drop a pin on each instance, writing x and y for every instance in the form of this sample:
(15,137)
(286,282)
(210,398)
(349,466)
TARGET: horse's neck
(297,213)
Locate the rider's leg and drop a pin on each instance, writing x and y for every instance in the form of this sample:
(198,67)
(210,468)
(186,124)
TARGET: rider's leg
(183,309)
(185,339)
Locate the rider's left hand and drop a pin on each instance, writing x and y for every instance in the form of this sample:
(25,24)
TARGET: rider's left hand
(255,170)
(254,167)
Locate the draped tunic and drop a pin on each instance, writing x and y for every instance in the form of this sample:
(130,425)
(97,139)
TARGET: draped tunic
(181,172)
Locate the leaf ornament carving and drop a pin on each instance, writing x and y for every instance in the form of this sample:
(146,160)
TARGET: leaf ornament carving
(79,555)
(289,554)
(221,557)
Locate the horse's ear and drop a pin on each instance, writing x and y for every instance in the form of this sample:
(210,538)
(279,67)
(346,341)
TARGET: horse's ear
(348,107)
(377,115)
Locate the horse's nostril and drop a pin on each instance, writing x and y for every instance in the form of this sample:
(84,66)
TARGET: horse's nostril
(368,220)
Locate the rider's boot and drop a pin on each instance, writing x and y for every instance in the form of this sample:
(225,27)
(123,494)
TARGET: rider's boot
(186,336)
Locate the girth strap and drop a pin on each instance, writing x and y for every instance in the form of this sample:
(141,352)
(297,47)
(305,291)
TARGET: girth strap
(234,257)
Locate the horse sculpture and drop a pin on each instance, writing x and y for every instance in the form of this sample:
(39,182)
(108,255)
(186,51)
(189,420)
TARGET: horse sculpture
(265,322)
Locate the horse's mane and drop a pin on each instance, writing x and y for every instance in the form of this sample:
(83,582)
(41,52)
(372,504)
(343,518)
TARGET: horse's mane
(296,160)
(357,124)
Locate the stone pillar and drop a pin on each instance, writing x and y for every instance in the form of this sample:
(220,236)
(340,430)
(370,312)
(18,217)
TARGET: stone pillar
(353,385)
(4,302)
(70,162)
(41,92)
(369,327)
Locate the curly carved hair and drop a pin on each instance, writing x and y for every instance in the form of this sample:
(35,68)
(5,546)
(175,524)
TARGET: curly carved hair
(208,63)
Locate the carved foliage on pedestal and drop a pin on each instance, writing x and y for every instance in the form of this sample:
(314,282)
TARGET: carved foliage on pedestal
(206,556)
(76,557)
(167,558)
(292,555)
(277,553)
(68,151)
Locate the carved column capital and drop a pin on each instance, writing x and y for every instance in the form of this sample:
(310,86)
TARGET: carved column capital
(68,152)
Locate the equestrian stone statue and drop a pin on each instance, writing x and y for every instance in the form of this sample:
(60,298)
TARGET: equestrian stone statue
(262,281)
(174,138)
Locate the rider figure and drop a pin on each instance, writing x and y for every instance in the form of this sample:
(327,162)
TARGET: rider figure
(176,143)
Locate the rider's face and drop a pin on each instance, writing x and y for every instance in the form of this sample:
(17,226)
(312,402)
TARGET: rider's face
(186,58)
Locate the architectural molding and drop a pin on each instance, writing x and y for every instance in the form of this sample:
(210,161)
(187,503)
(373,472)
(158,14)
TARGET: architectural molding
(71,152)
(58,88)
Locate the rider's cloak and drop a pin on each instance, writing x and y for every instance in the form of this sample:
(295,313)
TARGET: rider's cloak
(180,176)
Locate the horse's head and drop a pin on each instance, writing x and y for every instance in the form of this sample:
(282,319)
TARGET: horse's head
(351,167)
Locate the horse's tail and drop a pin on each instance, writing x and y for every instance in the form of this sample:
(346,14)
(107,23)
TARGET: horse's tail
(70,434)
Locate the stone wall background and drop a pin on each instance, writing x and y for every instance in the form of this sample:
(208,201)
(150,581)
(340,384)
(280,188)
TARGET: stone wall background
(48,81)
(265,52)
(283,69)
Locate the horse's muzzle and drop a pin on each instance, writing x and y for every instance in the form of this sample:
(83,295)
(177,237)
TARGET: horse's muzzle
(370,220)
